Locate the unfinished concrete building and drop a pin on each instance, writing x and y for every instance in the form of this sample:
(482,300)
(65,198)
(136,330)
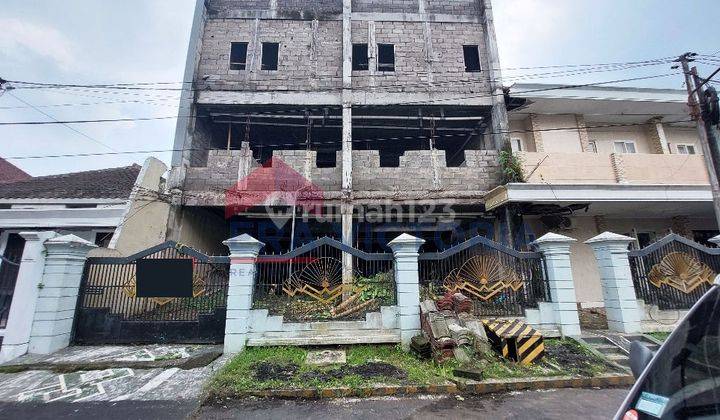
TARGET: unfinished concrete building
(393,108)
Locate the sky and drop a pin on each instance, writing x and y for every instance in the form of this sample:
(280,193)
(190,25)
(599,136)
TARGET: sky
(139,41)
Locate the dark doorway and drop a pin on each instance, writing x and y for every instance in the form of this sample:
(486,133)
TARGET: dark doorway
(9,268)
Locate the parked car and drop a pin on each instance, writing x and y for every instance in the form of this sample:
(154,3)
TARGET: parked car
(681,380)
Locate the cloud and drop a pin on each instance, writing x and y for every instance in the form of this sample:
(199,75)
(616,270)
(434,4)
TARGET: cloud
(20,36)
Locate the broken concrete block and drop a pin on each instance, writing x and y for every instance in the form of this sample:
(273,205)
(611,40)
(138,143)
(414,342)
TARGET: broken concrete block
(326,357)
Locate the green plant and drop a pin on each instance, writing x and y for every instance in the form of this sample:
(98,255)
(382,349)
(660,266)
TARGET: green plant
(378,287)
(511,167)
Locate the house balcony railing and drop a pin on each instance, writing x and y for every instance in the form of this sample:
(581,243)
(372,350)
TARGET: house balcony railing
(614,168)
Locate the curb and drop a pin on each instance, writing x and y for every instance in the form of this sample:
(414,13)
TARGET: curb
(466,387)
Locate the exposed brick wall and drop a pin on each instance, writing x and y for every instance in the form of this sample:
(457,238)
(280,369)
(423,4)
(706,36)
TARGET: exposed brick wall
(411,58)
(386,6)
(309,8)
(415,173)
(302,56)
(452,7)
(231,8)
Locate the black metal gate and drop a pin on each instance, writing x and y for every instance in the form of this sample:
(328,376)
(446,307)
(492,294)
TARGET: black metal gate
(324,280)
(9,269)
(500,280)
(110,312)
(674,272)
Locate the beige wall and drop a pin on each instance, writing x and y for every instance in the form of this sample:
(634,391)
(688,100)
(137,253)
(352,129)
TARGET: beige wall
(582,168)
(562,141)
(665,169)
(677,136)
(520,129)
(606,137)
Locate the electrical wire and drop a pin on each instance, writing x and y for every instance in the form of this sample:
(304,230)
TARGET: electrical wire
(423,102)
(336,143)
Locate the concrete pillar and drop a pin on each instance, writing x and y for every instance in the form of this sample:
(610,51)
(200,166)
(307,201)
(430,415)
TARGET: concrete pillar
(618,167)
(656,134)
(500,123)
(16,338)
(536,133)
(244,250)
(58,293)
(583,133)
(405,248)
(556,251)
(611,251)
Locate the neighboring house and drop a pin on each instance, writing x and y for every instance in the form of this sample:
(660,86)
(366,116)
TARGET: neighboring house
(595,159)
(11,173)
(93,205)
(394,104)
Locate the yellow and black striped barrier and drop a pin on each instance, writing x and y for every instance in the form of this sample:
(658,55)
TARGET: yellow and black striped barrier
(515,339)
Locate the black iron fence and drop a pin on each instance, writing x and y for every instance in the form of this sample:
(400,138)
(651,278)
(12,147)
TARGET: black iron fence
(674,272)
(110,311)
(500,280)
(324,280)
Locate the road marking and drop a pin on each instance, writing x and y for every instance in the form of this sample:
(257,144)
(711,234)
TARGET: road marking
(154,383)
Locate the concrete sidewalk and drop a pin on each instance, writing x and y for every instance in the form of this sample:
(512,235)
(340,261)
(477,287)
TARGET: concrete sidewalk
(118,384)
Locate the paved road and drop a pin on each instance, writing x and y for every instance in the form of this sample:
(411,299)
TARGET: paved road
(548,404)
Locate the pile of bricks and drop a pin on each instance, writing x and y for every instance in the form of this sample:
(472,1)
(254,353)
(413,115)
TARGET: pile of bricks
(448,324)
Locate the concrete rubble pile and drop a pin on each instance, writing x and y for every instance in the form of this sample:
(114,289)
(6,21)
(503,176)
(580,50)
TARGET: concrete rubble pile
(451,329)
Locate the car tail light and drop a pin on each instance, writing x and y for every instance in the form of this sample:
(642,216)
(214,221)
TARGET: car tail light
(631,415)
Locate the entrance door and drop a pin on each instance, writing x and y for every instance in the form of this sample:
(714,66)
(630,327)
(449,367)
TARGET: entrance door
(9,268)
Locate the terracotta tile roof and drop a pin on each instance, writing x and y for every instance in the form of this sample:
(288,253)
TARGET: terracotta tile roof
(104,183)
(11,173)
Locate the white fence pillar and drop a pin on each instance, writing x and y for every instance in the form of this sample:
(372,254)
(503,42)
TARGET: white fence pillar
(405,248)
(244,250)
(611,251)
(556,251)
(58,294)
(16,338)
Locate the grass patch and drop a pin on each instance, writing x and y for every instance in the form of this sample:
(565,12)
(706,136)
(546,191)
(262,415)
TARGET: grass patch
(661,336)
(263,368)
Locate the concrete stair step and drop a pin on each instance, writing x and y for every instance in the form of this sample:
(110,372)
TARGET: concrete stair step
(596,340)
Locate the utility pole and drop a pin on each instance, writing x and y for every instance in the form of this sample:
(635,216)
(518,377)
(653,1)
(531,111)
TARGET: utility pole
(704,128)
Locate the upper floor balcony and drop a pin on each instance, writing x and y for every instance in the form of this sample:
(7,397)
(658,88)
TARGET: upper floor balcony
(613,168)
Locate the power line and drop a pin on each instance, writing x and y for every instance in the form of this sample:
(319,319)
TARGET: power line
(60,122)
(336,142)
(423,102)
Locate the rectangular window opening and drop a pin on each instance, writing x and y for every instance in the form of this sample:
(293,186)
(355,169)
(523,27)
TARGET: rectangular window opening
(386,57)
(238,55)
(270,55)
(472,58)
(686,149)
(625,147)
(516,144)
(360,60)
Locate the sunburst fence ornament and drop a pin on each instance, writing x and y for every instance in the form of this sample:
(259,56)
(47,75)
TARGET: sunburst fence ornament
(681,271)
(320,280)
(130,290)
(483,277)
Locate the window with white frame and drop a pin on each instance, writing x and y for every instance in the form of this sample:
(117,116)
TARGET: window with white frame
(592,144)
(686,149)
(624,146)
(516,144)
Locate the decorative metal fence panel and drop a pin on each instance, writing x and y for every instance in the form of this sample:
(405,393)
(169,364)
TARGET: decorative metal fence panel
(674,272)
(109,310)
(500,280)
(324,280)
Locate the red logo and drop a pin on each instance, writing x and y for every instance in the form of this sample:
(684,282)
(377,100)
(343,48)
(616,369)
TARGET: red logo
(274,185)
